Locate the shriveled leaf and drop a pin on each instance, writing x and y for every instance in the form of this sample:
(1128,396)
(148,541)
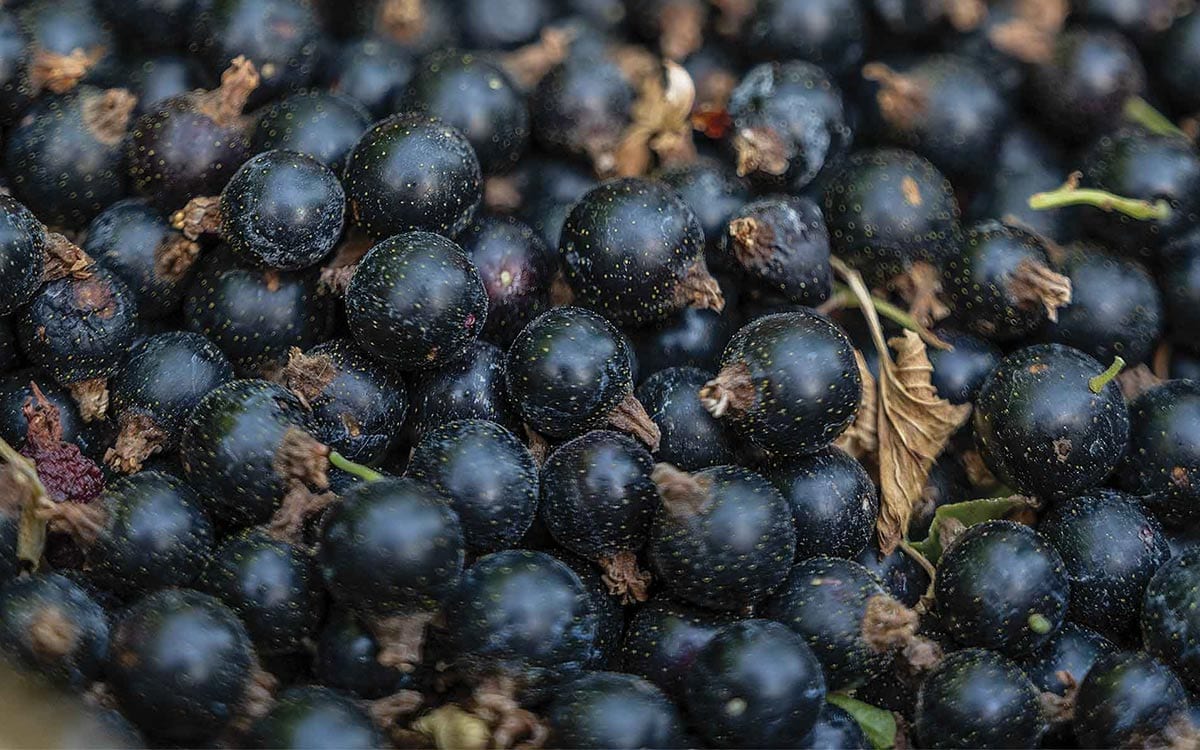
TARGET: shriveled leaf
(949,519)
(861,439)
(879,725)
(21,487)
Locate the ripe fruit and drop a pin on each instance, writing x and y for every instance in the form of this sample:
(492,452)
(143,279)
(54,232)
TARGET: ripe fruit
(836,729)
(978,698)
(689,437)
(1126,695)
(902,576)
(788,383)
(322,125)
(347,658)
(1001,586)
(607,709)
(1163,458)
(830,33)
(393,313)
(371,71)
(833,502)
(713,192)
(691,338)
(1066,658)
(313,716)
(469,387)
(52,627)
(517,269)
(663,638)
(958,374)
(581,108)
(1170,626)
(22,241)
(780,246)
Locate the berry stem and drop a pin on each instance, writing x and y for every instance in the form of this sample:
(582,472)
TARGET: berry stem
(1070,194)
(1139,112)
(364,473)
(895,314)
(1096,384)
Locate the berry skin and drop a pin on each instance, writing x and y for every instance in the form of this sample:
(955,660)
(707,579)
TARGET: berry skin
(154,80)
(283,210)
(16,87)
(180,663)
(722,538)
(1110,548)
(663,638)
(229,449)
(1126,695)
(155,391)
(1027,163)
(65,156)
(131,239)
(416,301)
(958,374)
(273,586)
(836,729)
(319,124)
(348,659)
(789,125)
(476,96)
(582,107)
(1041,429)
(902,576)
(825,600)
(788,383)
(1175,57)
(316,717)
(633,250)
(781,246)
(1178,277)
(978,699)
(391,547)
(610,611)
(22,249)
(1163,459)
(755,684)
(1170,625)
(712,190)
(833,502)
(357,405)
(154,535)
(51,627)
(372,72)
(487,474)
(569,371)
(607,709)
(522,613)
(485,25)
(412,172)
(1073,649)
(690,437)
(516,267)
(887,209)
(1002,586)
(470,387)
(1003,286)
(598,501)
(830,33)
(689,338)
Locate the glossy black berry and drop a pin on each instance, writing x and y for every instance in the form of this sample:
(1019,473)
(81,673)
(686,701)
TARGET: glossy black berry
(272,585)
(1041,428)
(155,391)
(416,301)
(722,538)
(689,338)
(1002,586)
(229,449)
(755,684)
(371,71)
(154,80)
(690,437)
(582,107)
(1174,57)
(788,383)
(788,125)
(347,658)
(836,729)
(825,600)
(610,610)
(16,86)
(517,268)
(319,124)
(52,627)
(831,33)
(978,698)
(598,501)
(391,547)
(180,663)
(487,474)
(1178,276)
(22,243)
(833,502)
(886,209)
(712,190)
(66,156)
(282,209)
(473,386)
(1073,650)
(663,638)
(1126,695)
(135,241)
(316,717)
(902,576)
(780,246)
(608,709)
(958,373)
(522,613)
(1110,547)
(551,187)
(1169,621)
(412,172)
(1162,462)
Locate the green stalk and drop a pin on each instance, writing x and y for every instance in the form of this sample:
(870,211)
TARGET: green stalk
(1071,194)
(364,473)
(1139,112)
(1096,384)
(895,314)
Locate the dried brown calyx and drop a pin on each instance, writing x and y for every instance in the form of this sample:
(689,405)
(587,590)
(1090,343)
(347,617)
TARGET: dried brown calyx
(1060,709)
(539,446)
(307,375)
(106,115)
(730,393)
(336,276)
(257,700)
(752,241)
(83,522)
(61,73)
(889,626)
(661,122)
(529,64)
(1033,285)
(64,259)
(509,724)
(761,150)
(624,578)
(139,438)
(1030,34)
(561,293)
(91,397)
(902,100)
(965,15)
(1135,381)
(52,635)
(401,639)
(401,20)
(390,711)
(303,463)
(224,104)
(174,257)
(921,287)
(682,27)
(201,216)
(630,416)
(502,193)
(699,289)
(682,494)
(731,15)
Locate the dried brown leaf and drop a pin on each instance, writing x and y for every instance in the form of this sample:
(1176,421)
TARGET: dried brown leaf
(862,437)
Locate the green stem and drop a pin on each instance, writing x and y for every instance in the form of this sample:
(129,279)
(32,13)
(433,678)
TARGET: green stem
(1139,112)
(895,314)
(1097,383)
(364,473)
(1071,195)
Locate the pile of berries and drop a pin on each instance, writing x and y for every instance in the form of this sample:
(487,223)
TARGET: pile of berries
(603,373)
